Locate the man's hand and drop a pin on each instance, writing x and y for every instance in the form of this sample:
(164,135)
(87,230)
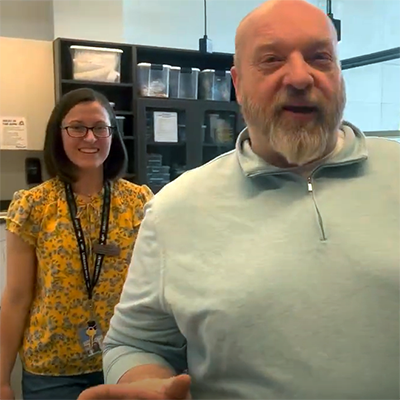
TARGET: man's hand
(176,388)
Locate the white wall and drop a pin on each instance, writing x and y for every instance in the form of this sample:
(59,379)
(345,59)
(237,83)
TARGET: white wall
(180,23)
(89,19)
(31,19)
(174,23)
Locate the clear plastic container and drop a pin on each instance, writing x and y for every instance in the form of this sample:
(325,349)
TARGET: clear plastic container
(96,63)
(154,160)
(220,128)
(174,82)
(120,122)
(153,80)
(189,83)
(158,179)
(160,169)
(215,85)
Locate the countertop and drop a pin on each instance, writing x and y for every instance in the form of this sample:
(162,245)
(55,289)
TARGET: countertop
(3,210)
(3,216)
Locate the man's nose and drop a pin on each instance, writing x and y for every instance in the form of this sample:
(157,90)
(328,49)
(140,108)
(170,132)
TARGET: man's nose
(298,73)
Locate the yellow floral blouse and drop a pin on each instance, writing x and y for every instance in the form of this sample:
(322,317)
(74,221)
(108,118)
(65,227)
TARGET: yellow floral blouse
(40,216)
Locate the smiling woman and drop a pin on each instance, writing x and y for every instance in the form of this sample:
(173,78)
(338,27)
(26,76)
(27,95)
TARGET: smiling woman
(84,119)
(69,245)
(86,135)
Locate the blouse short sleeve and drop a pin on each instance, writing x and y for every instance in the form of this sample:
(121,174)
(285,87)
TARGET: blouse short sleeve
(23,216)
(144,195)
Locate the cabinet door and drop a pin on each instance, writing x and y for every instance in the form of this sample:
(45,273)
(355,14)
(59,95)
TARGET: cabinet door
(26,64)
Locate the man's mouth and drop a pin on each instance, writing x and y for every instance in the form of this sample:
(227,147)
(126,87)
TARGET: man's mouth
(300,109)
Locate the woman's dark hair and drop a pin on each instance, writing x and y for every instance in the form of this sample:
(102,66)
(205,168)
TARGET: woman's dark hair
(56,160)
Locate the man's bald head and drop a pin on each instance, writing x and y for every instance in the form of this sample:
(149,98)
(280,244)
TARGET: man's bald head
(288,81)
(286,11)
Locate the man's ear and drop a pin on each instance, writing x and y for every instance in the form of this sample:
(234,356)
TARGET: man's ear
(236,84)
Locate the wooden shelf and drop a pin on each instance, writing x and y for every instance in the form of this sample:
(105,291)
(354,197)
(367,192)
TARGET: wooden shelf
(219,105)
(123,113)
(169,103)
(219,145)
(95,83)
(164,144)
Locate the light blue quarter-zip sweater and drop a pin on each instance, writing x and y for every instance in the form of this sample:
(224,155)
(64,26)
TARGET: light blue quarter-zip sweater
(267,285)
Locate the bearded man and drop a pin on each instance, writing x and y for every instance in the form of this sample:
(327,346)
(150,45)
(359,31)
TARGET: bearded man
(272,272)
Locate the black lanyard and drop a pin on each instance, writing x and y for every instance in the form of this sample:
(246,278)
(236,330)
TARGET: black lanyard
(105,217)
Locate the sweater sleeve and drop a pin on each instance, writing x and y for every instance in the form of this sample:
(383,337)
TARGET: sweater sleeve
(142,330)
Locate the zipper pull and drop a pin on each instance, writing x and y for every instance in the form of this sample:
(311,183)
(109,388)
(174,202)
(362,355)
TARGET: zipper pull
(309,184)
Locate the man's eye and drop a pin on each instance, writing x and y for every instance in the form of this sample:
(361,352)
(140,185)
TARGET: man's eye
(322,57)
(271,59)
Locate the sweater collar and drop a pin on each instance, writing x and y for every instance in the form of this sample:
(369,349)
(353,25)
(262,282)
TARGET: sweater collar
(353,150)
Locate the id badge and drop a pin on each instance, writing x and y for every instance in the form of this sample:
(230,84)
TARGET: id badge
(91,338)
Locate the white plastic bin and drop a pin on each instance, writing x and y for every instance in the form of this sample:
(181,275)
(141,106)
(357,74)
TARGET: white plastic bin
(189,83)
(153,80)
(96,63)
(174,82)
(215,85)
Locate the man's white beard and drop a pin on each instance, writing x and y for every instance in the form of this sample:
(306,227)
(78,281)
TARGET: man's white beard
(298,143)
(299,147)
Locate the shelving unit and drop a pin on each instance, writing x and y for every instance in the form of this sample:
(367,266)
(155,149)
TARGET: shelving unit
(193,148)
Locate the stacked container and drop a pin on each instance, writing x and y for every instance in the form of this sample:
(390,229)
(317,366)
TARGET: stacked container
(189,83)
(153,79)
(157,174)
(174,82)
(215,85)
(96,63)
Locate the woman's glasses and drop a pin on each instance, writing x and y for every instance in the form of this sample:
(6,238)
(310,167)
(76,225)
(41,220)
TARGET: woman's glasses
(80,131)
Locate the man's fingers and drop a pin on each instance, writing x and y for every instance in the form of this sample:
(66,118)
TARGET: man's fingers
(177,388)
(119,392)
